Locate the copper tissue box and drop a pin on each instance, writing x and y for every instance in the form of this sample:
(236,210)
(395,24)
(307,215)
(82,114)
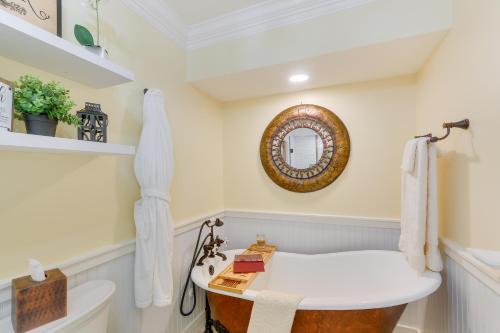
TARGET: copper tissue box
(37,303)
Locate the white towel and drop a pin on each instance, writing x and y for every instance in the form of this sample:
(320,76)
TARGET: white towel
(273,312)
(419,221)
(433,256)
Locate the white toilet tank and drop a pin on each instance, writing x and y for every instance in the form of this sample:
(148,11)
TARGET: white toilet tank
(88,308)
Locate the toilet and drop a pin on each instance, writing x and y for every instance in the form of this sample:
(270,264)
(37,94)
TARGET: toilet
(88,309)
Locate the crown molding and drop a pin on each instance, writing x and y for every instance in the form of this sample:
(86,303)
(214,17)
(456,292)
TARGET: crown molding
(265,16)
(262,17)
(162,17)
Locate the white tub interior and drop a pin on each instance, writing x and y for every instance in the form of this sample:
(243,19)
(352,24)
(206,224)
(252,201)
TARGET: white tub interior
(337,281)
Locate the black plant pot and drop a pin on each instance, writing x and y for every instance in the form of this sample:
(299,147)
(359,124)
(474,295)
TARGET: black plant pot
(40,124)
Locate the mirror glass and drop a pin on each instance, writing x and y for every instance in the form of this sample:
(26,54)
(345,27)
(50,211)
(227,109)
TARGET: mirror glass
(302,148)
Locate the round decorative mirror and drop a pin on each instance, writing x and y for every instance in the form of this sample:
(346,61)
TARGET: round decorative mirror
(305,148)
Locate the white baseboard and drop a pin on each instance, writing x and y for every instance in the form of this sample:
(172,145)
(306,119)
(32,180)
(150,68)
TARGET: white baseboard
(197,325)
(406,329)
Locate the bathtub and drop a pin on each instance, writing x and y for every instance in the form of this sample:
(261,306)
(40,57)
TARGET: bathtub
(359,291)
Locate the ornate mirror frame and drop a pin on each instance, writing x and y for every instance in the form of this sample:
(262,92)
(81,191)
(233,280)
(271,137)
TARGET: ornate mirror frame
(336,151)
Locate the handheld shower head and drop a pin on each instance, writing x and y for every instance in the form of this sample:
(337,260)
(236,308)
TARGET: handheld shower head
(218,222)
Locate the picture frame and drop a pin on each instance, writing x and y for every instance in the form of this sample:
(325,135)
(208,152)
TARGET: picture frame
(45,14)
(6,105)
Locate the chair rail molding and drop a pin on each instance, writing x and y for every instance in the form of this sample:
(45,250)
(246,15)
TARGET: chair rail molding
(100,256)
(350,232)
(481,271)
(111,261)
(360,221)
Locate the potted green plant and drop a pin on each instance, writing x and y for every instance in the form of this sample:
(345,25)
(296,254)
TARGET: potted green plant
(42,105)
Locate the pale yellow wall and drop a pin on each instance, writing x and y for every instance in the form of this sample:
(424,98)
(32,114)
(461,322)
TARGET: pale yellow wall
(463,80)
(380,117)
(54,207)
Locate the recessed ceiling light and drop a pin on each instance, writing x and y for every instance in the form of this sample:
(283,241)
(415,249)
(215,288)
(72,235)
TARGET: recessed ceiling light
(299,78)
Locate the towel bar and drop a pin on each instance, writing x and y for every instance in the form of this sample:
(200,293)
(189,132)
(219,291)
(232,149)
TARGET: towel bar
(463,124)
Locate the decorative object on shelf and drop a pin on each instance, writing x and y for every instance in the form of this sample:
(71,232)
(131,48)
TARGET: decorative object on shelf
(6,105)
(42,105)
(305,148)
(84,36)
(94,123)
(45,14)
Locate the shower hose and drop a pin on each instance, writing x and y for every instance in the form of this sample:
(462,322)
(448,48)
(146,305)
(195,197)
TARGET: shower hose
(196,253)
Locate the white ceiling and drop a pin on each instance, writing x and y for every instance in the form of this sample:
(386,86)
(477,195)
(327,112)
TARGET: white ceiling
(395,58)
(196,11)
(369,40)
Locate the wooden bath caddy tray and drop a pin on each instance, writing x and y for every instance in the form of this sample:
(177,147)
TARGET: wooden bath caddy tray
(238,283)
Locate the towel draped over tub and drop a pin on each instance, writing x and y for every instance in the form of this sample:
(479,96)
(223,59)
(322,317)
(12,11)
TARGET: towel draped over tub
(154,167)
(273,312)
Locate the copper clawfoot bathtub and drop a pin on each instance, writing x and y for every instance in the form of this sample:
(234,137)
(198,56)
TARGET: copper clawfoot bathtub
(348,292)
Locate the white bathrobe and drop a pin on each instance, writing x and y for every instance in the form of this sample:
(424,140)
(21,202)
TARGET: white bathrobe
(154,166)
(419,218)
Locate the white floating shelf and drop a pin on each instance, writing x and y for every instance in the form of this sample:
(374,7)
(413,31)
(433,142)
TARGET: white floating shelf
(38,143)
(26,43)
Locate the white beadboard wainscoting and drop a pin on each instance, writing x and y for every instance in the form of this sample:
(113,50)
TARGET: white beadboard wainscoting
(116,263)
(312,234)
(468,301)
(465,302)
(473,293)
(161,320)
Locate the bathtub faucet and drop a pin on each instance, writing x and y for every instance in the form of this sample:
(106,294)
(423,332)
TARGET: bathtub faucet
(212,248)
(209,250)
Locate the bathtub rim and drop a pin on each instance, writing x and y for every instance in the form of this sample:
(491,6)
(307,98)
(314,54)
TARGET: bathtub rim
(330,303)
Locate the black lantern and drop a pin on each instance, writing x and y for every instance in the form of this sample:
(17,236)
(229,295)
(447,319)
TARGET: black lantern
(93,123)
